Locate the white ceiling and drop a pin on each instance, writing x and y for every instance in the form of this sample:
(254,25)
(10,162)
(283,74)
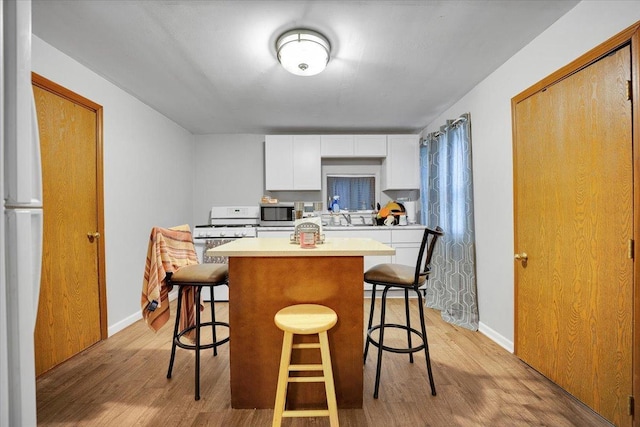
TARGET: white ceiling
(211,67)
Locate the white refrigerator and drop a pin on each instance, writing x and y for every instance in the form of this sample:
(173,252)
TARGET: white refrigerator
(21,227)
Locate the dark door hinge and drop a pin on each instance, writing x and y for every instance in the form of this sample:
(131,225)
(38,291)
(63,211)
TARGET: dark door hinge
(629,90)
(630,405)
(631,249)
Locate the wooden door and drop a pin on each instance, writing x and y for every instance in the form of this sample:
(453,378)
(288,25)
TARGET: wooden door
(574,220)
(71,310)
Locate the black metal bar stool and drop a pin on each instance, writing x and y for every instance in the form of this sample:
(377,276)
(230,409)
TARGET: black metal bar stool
(192,278)
(407,278)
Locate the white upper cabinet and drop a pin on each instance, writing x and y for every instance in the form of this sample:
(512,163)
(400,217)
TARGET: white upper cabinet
(307,163)
(336,145)
(401,167)
(292,162)
(370,145)
(278,162)
(353,145)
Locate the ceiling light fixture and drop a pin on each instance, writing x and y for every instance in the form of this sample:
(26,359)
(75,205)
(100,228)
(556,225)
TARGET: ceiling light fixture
(303,52)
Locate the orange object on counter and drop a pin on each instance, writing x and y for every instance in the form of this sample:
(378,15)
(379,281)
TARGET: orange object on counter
(384,212)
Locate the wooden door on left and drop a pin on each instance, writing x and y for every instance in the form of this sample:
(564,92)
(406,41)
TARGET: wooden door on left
(72,308)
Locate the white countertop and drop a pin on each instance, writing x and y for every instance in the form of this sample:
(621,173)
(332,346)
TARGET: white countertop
(351,227)
(282,247)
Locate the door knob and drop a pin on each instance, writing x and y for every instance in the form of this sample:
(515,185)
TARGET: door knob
(521,257)
(93,236)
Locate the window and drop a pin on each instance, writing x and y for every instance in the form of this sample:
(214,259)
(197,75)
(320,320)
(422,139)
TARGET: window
(348,169)
(357,192)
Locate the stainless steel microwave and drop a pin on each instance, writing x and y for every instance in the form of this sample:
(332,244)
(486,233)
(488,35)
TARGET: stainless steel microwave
(277,215)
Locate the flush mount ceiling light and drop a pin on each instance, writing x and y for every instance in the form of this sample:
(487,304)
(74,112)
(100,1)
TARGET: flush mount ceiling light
(303,52)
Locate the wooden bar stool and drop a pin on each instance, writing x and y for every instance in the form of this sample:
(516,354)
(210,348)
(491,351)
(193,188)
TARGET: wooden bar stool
(196,277)
(305,319)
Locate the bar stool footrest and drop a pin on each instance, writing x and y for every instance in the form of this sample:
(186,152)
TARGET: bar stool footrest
(402,350)
(202,346)
(313,367)
(306,413)
(306,345)
(306,379)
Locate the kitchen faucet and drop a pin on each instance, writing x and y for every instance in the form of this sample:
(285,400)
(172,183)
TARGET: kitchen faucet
(347,217)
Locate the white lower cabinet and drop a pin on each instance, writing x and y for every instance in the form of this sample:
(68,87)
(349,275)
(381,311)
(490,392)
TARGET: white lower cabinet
(382,235)
(405,241)
(407,244)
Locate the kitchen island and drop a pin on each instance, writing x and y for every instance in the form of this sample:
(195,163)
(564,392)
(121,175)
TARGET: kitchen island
(267,274)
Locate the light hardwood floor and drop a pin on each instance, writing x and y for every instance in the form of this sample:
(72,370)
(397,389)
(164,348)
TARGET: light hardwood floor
(122,382)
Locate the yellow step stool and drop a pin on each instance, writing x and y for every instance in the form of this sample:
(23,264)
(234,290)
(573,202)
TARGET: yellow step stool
(305,319)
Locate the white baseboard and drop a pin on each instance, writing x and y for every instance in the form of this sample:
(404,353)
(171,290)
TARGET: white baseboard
(496,337)
(482,328)
(128,321)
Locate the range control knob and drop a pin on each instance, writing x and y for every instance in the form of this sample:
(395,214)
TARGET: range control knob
(223,233)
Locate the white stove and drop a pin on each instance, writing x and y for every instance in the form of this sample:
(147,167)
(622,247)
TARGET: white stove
(226,223)
(229,222)
(204,232)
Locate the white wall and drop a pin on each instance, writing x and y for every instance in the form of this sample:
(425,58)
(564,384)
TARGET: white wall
(228,170)
(586,26)
(141,146)
(148,178)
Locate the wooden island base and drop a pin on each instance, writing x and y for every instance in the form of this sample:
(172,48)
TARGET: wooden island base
(258,288)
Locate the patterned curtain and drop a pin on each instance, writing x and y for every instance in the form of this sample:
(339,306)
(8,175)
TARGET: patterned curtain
(447,201)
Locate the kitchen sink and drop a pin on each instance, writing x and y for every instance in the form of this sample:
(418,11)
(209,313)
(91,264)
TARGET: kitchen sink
(343,226)
(348,219)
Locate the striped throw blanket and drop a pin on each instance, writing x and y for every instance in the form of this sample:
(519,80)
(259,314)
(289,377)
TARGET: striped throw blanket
(169,249)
